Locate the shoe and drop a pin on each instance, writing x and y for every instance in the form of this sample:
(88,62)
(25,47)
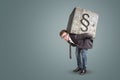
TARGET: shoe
(83,71)
(77,69)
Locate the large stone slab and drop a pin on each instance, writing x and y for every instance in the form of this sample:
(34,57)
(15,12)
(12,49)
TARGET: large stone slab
(82,21)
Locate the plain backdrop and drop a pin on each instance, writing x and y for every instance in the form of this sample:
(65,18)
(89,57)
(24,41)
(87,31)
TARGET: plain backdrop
(31,49)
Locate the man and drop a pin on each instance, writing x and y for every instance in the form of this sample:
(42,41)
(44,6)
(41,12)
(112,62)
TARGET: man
(82,42)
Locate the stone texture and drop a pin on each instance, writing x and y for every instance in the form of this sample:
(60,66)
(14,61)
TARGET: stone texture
(82,21)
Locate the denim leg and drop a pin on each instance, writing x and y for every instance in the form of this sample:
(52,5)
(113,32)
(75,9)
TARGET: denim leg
(84,58)
(78,57)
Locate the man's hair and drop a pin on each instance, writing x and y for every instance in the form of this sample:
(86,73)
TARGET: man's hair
(62,31)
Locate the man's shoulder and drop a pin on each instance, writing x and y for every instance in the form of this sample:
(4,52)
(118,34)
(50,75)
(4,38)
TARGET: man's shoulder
(80,35)
(84,34)
(75,35)
(72,34)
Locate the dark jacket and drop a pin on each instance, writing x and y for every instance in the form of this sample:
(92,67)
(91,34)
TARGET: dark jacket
(83,41)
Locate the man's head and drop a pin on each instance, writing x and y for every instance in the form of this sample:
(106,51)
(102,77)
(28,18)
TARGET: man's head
(64,34)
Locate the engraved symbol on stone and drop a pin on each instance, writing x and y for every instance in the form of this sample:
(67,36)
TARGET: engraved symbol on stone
(85,25)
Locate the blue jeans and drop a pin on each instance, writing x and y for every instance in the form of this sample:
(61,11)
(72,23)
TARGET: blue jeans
(81,57)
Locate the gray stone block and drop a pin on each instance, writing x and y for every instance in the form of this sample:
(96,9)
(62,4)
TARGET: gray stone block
(82,21)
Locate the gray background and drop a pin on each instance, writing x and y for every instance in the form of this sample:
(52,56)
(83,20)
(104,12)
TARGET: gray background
(31,49)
